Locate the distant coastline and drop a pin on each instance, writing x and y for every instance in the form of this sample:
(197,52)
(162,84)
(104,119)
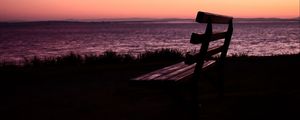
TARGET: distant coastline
(143,20)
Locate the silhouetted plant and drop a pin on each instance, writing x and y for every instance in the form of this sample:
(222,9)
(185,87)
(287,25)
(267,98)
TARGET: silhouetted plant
(70,59)
(163,54)
(110,57)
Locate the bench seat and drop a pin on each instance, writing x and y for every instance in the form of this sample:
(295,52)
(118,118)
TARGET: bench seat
(174,72)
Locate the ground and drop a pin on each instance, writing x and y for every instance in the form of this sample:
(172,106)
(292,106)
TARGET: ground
(255,88)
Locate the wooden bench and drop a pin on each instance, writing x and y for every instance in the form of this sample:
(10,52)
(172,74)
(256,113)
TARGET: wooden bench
(188,72)
(195,63)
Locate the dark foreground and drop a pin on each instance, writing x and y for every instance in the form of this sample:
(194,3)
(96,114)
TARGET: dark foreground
(255,88)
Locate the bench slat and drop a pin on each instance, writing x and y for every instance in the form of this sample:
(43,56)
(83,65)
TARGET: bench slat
(192,58)
(191,71)
(183,75)
(171,73)
(162,71)
(213,51)
(200,38)
(183,69)
(204,17)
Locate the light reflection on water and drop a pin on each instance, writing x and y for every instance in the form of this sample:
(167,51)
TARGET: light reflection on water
(55,39)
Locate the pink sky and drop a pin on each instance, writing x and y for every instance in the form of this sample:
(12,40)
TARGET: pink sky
(97,9)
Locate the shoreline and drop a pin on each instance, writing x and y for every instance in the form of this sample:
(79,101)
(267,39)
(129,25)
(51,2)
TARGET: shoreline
(84,59)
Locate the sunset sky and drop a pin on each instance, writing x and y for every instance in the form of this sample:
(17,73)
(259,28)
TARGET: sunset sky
(11,10)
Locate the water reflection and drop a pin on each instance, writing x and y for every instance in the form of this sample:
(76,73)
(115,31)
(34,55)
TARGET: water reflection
(251,38)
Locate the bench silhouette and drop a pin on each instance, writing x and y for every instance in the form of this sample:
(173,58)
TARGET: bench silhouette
(194,64)
(188,72)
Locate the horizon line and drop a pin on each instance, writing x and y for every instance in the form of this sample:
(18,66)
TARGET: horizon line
(142,19)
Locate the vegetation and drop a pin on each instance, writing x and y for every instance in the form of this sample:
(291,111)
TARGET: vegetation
(108,57)
(96,87)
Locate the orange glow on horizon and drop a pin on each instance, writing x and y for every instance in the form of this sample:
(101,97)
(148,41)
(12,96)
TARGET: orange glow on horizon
(97,9)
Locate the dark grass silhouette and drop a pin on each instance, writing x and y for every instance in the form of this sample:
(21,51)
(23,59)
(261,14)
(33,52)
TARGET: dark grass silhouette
(95,87)
(74,86)
(107,57)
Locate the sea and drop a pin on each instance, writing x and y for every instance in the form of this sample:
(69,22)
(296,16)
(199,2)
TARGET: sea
(57,38)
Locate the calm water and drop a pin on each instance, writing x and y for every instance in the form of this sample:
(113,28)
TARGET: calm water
(18,41)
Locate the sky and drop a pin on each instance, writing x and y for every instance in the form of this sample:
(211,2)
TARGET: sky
(29,10)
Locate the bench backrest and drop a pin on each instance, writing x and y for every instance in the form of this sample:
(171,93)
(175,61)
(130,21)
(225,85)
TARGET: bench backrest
(204,39)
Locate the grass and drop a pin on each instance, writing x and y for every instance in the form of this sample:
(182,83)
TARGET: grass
(108,57)
(61,87)
(96,87)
